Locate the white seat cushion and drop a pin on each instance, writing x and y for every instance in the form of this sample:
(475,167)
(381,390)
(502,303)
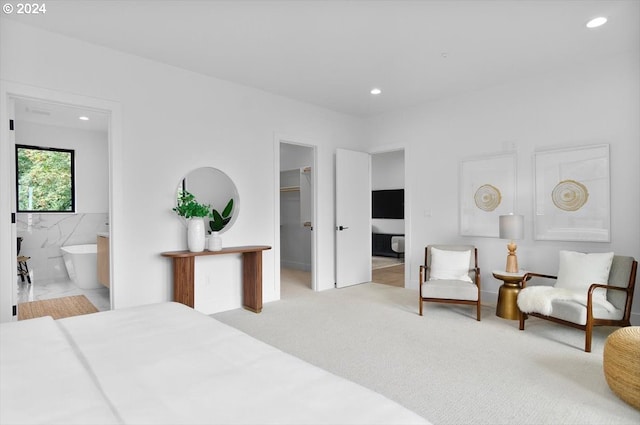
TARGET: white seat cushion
(542,299)
(575,312)
(450,289)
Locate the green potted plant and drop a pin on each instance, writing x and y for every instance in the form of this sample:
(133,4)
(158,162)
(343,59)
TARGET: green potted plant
(194,212)
(188,206)
(217,223)
(220,220)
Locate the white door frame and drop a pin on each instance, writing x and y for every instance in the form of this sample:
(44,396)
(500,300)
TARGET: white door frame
(8,248)
(291,140)
(407,209)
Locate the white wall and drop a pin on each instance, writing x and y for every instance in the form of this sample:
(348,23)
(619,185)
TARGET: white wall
(387,170)
(172,122)
(295,156)
(591,103)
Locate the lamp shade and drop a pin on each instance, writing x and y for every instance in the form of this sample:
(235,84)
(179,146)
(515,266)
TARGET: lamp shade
(511,227)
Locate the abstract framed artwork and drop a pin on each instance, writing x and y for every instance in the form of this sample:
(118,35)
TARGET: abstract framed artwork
(572,194)
(487,190)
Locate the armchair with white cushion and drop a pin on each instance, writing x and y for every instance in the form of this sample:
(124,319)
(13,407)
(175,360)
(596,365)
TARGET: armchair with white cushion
(594,289)
(450,274)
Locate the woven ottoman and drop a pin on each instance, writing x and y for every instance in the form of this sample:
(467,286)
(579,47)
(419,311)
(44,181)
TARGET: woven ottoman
(621,364)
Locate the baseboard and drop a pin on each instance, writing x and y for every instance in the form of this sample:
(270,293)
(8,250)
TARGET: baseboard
(295,265)
(489,298)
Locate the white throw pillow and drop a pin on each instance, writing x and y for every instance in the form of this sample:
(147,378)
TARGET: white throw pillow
(577,271)
(450,265)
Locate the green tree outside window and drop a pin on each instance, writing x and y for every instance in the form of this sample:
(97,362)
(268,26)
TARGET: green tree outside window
(45,179)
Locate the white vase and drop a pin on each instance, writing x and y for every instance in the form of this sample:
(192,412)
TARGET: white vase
(215,242)
(195,234)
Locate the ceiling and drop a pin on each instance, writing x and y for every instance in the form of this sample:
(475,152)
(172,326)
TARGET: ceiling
(58,115)
(331,53)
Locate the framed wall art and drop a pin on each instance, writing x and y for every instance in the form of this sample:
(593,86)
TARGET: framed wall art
(487,190)
(572,194)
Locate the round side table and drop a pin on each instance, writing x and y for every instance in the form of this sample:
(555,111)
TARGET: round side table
(507,306)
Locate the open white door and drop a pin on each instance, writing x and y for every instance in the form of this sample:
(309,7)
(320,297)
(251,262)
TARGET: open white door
(14,235)
(353,218)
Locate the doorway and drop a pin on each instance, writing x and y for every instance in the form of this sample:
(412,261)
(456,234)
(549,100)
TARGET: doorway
(388,217)
(51,274)
(9,93)
(296,202)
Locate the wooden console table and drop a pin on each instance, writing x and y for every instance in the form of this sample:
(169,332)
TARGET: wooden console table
(184,273)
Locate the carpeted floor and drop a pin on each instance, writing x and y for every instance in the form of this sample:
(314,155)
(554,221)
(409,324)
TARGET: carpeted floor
(445,365)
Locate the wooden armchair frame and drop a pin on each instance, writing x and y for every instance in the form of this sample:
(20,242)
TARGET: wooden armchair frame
(591,321)
(426,268)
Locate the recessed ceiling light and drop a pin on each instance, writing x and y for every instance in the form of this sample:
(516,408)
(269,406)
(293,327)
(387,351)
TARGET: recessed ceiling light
(596,22)
(83,118)
(376,91)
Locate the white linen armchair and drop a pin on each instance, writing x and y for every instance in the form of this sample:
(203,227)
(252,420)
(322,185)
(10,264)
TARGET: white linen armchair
(591,302)
(450,274)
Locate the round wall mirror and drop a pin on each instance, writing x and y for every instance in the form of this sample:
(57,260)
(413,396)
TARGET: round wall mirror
(212,187)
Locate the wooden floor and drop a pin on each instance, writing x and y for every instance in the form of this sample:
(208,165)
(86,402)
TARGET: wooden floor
(57,308)
(294,282)
(393,275)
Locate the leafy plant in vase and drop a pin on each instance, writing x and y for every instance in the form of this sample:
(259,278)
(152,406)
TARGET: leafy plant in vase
(217,223)
(194,212)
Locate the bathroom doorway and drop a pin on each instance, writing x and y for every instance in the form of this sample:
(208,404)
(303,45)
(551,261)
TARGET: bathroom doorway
(58,250)
(296,201)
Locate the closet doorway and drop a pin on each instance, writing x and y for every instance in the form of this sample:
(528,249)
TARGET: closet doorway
(388,217)
(297,212)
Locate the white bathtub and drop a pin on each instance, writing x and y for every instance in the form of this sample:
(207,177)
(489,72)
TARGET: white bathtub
(81,262)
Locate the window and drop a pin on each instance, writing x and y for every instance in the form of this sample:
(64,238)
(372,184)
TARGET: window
(45,179)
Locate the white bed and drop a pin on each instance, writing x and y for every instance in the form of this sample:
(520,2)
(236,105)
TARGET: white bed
(168,364)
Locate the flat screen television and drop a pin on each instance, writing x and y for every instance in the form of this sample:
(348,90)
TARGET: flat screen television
(388,203)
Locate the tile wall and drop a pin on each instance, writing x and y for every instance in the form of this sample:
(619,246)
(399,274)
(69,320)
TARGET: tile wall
(44,234)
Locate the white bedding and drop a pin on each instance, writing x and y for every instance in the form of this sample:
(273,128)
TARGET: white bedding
(168,364)
(42,379)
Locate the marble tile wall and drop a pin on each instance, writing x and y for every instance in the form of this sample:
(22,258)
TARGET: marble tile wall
(44,234)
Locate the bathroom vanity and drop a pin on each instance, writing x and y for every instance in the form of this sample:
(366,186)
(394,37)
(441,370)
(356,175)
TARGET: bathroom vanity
(103,258)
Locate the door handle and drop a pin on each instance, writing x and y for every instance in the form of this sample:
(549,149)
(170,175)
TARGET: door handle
(342,228)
